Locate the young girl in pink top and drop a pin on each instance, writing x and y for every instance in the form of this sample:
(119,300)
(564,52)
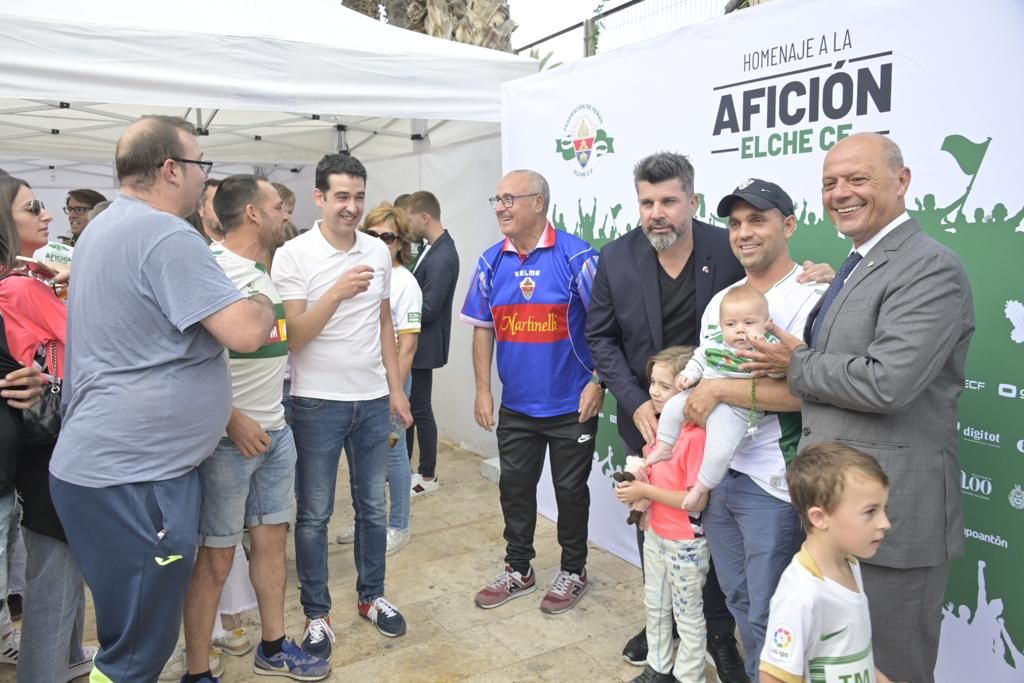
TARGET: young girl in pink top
(676,555)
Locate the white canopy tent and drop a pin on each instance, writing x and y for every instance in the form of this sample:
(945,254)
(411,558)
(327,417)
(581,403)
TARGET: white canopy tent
(272,88)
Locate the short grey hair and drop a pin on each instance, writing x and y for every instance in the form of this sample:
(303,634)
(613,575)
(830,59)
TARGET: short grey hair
(892,154)
(657,168)
(538,185)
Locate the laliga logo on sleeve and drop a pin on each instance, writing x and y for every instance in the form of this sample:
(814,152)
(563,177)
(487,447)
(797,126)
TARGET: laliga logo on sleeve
(782,644)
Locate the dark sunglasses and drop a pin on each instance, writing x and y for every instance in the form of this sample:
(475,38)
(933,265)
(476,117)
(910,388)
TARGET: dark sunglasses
(385,237)
(34,207)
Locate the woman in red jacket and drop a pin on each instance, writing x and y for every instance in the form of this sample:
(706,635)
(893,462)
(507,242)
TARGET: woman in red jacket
(35,322)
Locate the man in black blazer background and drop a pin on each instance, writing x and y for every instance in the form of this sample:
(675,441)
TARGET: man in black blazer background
(436,271)
(652,286)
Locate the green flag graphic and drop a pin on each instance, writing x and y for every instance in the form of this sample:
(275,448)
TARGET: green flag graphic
(968,154)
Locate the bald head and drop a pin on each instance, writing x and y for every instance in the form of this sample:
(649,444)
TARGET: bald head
(883,147)
(864,185)
(146,144)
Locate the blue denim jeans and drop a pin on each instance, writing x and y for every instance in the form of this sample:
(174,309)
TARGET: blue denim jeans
(54,618)
(399,476)
(673,587)
(10,518)
(753,536)
(322,428)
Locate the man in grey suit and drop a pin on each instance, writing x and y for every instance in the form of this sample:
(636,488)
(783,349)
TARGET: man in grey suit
(882,370)
(436,271)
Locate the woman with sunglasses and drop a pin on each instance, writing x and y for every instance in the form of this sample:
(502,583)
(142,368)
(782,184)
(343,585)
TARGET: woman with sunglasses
(391,225)
(35,322)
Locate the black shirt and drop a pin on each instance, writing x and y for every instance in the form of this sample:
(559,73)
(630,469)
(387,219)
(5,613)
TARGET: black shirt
(10,420)
(679,306)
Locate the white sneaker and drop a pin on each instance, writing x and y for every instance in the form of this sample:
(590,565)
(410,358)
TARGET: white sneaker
(423,486)
(235,642)
(347,535)
(177,665)
(397,539)
(10,647)
(83,666)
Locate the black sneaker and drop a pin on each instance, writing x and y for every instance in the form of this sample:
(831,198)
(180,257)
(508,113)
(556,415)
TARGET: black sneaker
(635,651)
(649,675)
(728,663)
(14,604)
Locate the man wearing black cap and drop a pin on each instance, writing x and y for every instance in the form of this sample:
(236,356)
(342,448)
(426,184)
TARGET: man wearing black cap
(752,528)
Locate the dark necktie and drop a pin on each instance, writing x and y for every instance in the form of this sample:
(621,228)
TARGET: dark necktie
(831,293)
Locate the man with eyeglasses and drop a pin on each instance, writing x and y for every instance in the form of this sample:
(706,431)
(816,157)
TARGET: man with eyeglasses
(528,298)
(335,282)
(147,395)
(77,207)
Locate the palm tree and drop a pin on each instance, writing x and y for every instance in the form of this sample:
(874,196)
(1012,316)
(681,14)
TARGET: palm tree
(485,23)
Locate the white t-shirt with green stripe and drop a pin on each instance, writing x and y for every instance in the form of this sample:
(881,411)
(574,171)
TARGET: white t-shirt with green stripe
(406,301)
(818,630)
(257,378)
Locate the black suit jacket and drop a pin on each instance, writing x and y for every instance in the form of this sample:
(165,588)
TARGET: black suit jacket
(437,273)
(624,321)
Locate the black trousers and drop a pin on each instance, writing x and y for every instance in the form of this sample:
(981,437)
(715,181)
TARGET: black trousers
(522,441)
(423,423)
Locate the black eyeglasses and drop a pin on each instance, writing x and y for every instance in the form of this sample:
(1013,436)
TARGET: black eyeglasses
(204,166)
(34,207)
(385,237)
(507,200)
(77,210)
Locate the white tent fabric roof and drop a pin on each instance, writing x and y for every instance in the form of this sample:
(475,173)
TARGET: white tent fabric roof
(271,85)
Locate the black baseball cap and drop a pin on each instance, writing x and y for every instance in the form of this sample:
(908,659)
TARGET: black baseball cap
(760,194)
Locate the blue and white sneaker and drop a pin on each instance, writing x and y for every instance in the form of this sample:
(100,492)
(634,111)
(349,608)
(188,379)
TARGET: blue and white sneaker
(292,662)
(318,638)
(384,616)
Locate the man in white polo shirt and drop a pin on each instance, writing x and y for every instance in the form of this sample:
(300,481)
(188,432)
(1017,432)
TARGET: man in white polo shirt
(335,283)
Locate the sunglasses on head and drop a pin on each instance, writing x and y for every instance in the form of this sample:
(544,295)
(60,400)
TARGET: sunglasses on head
(34,207)
(385,237)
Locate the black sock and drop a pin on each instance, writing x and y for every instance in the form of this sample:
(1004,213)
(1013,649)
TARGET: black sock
(524,570)
(272,647)
(195,678)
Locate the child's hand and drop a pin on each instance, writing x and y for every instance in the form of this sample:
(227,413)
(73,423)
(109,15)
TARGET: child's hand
(696,500)
(629,492)
(682,382)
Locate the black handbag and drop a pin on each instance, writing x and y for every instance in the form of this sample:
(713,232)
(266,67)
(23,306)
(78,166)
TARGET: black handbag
(40,424)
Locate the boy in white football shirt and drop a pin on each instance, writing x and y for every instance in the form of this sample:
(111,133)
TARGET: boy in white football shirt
(819,629)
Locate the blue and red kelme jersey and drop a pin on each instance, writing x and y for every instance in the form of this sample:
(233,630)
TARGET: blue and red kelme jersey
(537,304)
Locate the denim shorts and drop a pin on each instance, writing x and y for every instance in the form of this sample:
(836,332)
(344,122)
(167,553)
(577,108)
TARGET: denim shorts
(239,491)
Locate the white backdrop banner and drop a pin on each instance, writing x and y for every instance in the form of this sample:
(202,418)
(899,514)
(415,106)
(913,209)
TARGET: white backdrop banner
(765,92)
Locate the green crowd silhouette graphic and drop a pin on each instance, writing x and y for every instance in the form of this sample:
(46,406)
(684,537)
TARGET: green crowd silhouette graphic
(816,238)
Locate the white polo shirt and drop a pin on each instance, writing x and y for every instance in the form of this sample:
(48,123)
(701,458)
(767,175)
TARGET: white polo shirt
(343,363)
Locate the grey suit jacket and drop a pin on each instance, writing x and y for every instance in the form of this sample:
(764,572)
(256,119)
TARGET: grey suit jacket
(886,380)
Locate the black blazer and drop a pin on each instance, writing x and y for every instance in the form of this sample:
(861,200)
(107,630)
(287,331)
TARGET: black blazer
(437,273)
(624,321)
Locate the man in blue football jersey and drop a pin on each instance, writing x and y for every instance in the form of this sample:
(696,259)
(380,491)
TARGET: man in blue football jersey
(529,298)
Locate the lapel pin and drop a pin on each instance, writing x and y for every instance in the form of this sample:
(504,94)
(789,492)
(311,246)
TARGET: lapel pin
(705,269)
(870,263)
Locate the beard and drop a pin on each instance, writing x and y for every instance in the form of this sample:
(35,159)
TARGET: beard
(661,241)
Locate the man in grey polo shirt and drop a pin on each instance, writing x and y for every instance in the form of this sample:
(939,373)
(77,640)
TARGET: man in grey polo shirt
(146,394)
